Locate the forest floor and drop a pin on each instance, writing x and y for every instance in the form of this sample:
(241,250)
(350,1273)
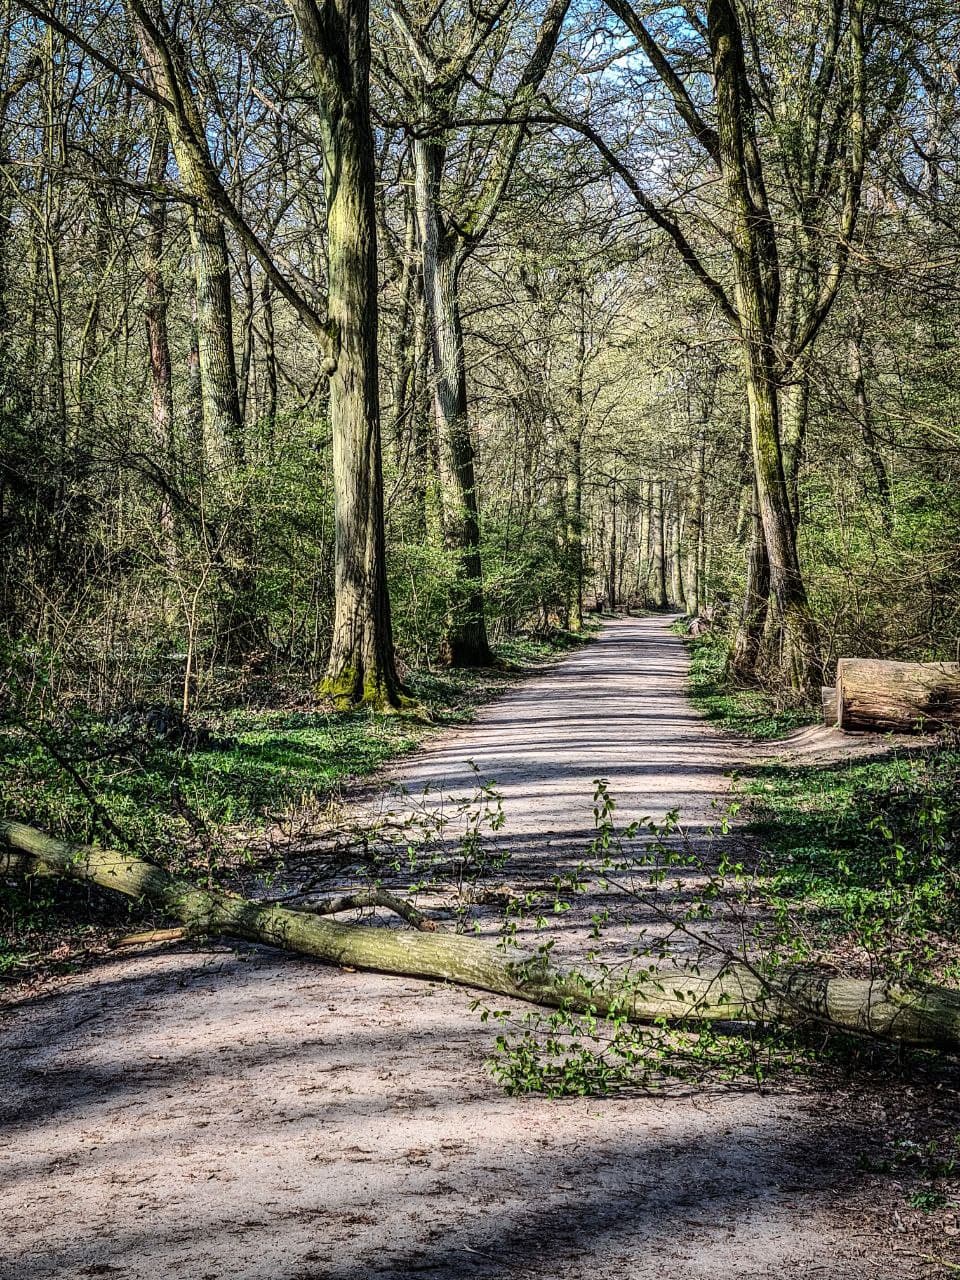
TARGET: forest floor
(224,1112)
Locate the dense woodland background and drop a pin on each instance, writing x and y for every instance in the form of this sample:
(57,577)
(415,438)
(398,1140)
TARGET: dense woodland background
(602,234)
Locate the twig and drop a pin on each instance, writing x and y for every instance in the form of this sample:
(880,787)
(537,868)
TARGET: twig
(373,898)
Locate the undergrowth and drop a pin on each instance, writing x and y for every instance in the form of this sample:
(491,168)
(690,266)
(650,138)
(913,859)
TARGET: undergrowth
(196,794)
(870,852)
(752,712)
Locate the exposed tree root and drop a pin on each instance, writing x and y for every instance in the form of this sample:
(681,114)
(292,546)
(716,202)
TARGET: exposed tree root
(737,993)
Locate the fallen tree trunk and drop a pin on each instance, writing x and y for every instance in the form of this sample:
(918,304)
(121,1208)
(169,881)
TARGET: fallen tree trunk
(876,695)
(737,993)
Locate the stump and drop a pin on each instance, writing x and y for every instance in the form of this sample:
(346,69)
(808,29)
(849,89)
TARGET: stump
(876,695)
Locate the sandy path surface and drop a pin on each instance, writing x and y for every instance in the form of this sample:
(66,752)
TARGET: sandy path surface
(247,1115)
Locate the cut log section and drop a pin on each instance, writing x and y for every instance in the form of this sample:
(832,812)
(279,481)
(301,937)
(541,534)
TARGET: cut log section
(657,994)
(902,696)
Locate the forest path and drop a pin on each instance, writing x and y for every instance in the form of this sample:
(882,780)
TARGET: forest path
(617,709)
(216,1114)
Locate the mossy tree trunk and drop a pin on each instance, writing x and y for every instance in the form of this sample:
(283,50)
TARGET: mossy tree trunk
(756,598)
(337,46)
(465,634)
(757,284)
(736,993)
(361,665)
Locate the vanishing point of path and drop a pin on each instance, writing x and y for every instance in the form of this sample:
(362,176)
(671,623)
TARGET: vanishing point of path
(224,1115)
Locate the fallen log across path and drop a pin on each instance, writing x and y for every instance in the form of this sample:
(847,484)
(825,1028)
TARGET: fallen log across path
(736,993)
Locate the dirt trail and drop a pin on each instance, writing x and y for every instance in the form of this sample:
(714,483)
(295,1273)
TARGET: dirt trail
(251,1116)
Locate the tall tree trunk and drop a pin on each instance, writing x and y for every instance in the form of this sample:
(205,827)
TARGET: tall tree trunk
(659,550)
(465,639)
(695,528)
(747,643)
(799,645)
(158,341)
(612,599)
(573,458)
(865,421)
(643,544)
(403,344)
(573,537)
(795,413)
(757,282)
(361,664)
(219,392)
(678,587)
(270,354)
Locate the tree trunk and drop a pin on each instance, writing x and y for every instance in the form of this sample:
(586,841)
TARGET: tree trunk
(573,455)
(678,586)
(360,668)
(611,549)
(795,400)
(753,616)
(158,342)
(643,544)
(696,529)
(798,641)
(880,696)
(361,665)
(659,551)
(573,512)
(927,1016)
(465,640)
(757,284)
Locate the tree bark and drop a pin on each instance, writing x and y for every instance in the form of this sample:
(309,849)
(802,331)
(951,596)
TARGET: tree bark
(695,593)
(361,666)
(465,638)
(737,993)
(659,550)
(756,596)
(573,466)
(795,413)
(678,586)
(757,283)
(876,695)
(158,341)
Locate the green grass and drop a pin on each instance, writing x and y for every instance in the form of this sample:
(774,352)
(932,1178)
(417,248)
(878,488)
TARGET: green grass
(874,848)
(258,763)
(194,807)
(751,712)
(867,851)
